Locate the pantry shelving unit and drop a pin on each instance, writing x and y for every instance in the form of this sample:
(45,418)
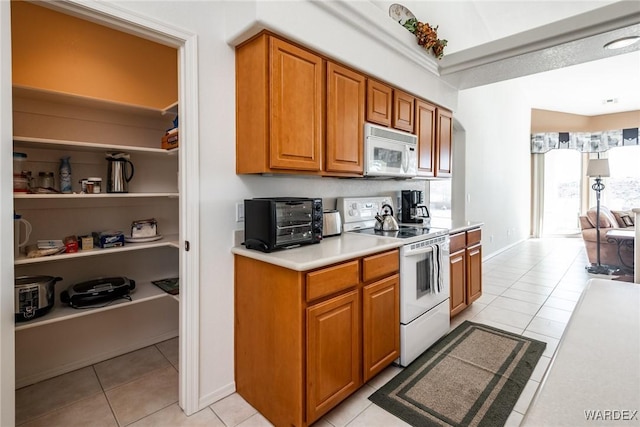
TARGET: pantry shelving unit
(47,126)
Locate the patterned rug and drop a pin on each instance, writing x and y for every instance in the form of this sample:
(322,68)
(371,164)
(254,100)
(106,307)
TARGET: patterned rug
(471,377)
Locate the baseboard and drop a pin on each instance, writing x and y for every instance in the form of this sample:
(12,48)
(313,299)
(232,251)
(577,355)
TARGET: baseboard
(216,395)
(499,251)
(78,364)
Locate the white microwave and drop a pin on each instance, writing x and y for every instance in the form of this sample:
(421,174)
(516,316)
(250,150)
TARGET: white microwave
(389,152)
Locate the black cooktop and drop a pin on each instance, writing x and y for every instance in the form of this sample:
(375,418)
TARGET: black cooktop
(404,232)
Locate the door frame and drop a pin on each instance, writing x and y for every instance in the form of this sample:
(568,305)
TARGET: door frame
(189,189)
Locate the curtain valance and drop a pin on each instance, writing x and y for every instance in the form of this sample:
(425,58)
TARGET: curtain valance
(586,142)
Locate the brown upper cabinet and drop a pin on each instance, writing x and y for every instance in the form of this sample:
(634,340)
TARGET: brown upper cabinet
(426,133)
(279,107)
(444,142)
(434,131)
(403,111)
(390,107)
(379,102)
(345,120)
(299,112)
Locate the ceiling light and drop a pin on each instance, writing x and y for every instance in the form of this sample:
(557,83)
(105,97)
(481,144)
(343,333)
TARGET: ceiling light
(623,42)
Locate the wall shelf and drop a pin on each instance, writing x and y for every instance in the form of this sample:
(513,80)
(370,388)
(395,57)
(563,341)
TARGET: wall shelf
(144,291)
(60,144)
(169,241)
(58,196)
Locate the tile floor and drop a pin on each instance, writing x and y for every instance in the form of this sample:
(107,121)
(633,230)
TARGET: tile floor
(530,289)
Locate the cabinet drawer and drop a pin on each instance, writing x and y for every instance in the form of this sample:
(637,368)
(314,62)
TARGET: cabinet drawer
(457,242)
(380,265)
(474,236)
(332,279)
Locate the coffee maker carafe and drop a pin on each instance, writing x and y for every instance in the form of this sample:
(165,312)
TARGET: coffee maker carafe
(413,211)
(117,176)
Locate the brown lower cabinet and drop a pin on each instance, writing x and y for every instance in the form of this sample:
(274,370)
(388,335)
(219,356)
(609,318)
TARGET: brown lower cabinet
(465,273)
(306,340)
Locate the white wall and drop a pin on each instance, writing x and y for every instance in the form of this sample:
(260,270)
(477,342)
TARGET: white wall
(497,122)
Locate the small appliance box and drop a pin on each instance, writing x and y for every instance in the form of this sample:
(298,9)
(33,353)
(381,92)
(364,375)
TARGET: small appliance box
(108,239)
(144,228)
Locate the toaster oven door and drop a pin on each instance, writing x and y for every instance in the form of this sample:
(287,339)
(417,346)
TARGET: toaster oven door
(294,222)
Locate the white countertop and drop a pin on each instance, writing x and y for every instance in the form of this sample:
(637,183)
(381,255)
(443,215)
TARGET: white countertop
(597,364)
(455,226)
(329,251)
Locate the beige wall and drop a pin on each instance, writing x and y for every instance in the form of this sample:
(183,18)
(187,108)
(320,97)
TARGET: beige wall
(554,121)
(58,52)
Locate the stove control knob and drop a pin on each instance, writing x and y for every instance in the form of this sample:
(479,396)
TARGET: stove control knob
(351,213)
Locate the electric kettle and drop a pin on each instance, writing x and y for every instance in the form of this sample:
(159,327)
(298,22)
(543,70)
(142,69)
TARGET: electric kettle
(118,176)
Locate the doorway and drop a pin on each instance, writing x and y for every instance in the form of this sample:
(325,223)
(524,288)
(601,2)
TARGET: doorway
(185,43)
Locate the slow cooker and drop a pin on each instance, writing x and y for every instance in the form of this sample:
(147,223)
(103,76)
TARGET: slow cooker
(34,296)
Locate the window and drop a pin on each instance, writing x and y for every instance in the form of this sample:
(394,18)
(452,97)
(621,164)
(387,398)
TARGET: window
(622,188)
(440,198)
(561,188)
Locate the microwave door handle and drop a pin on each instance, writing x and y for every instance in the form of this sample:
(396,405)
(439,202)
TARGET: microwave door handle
(405,159)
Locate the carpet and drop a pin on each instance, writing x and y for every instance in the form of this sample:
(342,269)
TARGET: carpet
(471,377)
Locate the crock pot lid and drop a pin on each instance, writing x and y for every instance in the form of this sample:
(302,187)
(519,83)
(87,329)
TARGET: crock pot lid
(32,280)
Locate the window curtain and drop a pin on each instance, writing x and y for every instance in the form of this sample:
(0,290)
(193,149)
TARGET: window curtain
(586,142)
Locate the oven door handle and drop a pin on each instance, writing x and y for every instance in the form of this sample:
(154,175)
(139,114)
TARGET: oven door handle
(438,267)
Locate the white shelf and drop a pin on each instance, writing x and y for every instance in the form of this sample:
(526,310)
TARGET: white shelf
(170,109)
(89,102)
(170,241)
(144,291)
(58,196)
(59,144)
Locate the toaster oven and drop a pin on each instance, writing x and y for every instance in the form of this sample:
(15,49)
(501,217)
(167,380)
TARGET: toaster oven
(281,222)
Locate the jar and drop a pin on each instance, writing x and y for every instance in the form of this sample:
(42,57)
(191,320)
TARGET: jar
(95,183)
(45,179)
(18,162)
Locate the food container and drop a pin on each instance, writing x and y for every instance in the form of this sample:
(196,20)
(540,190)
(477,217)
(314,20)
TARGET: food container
(86,242)
(108,239)
(94,185)
(34,296)
(20,183)
(18,162)
(71,244)
(45,179)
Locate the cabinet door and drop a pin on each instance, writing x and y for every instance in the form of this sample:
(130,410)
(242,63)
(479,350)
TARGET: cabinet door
(379,102)
(444,143)
(345,120)
(426,132)
(333,353)
(457,278)
(403,111)
(380,325)
(474,273)
(296,106)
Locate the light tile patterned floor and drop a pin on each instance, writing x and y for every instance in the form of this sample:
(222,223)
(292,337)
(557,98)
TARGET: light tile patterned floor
(530,289)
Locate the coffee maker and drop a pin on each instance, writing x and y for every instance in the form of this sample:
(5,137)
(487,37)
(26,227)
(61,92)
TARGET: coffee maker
(413,211)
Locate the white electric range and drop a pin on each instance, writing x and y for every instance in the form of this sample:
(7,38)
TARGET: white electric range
(424,273)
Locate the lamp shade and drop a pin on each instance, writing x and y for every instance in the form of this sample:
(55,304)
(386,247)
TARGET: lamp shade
(598,167)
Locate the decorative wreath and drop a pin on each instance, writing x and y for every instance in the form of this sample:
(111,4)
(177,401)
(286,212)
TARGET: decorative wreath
(427,36)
